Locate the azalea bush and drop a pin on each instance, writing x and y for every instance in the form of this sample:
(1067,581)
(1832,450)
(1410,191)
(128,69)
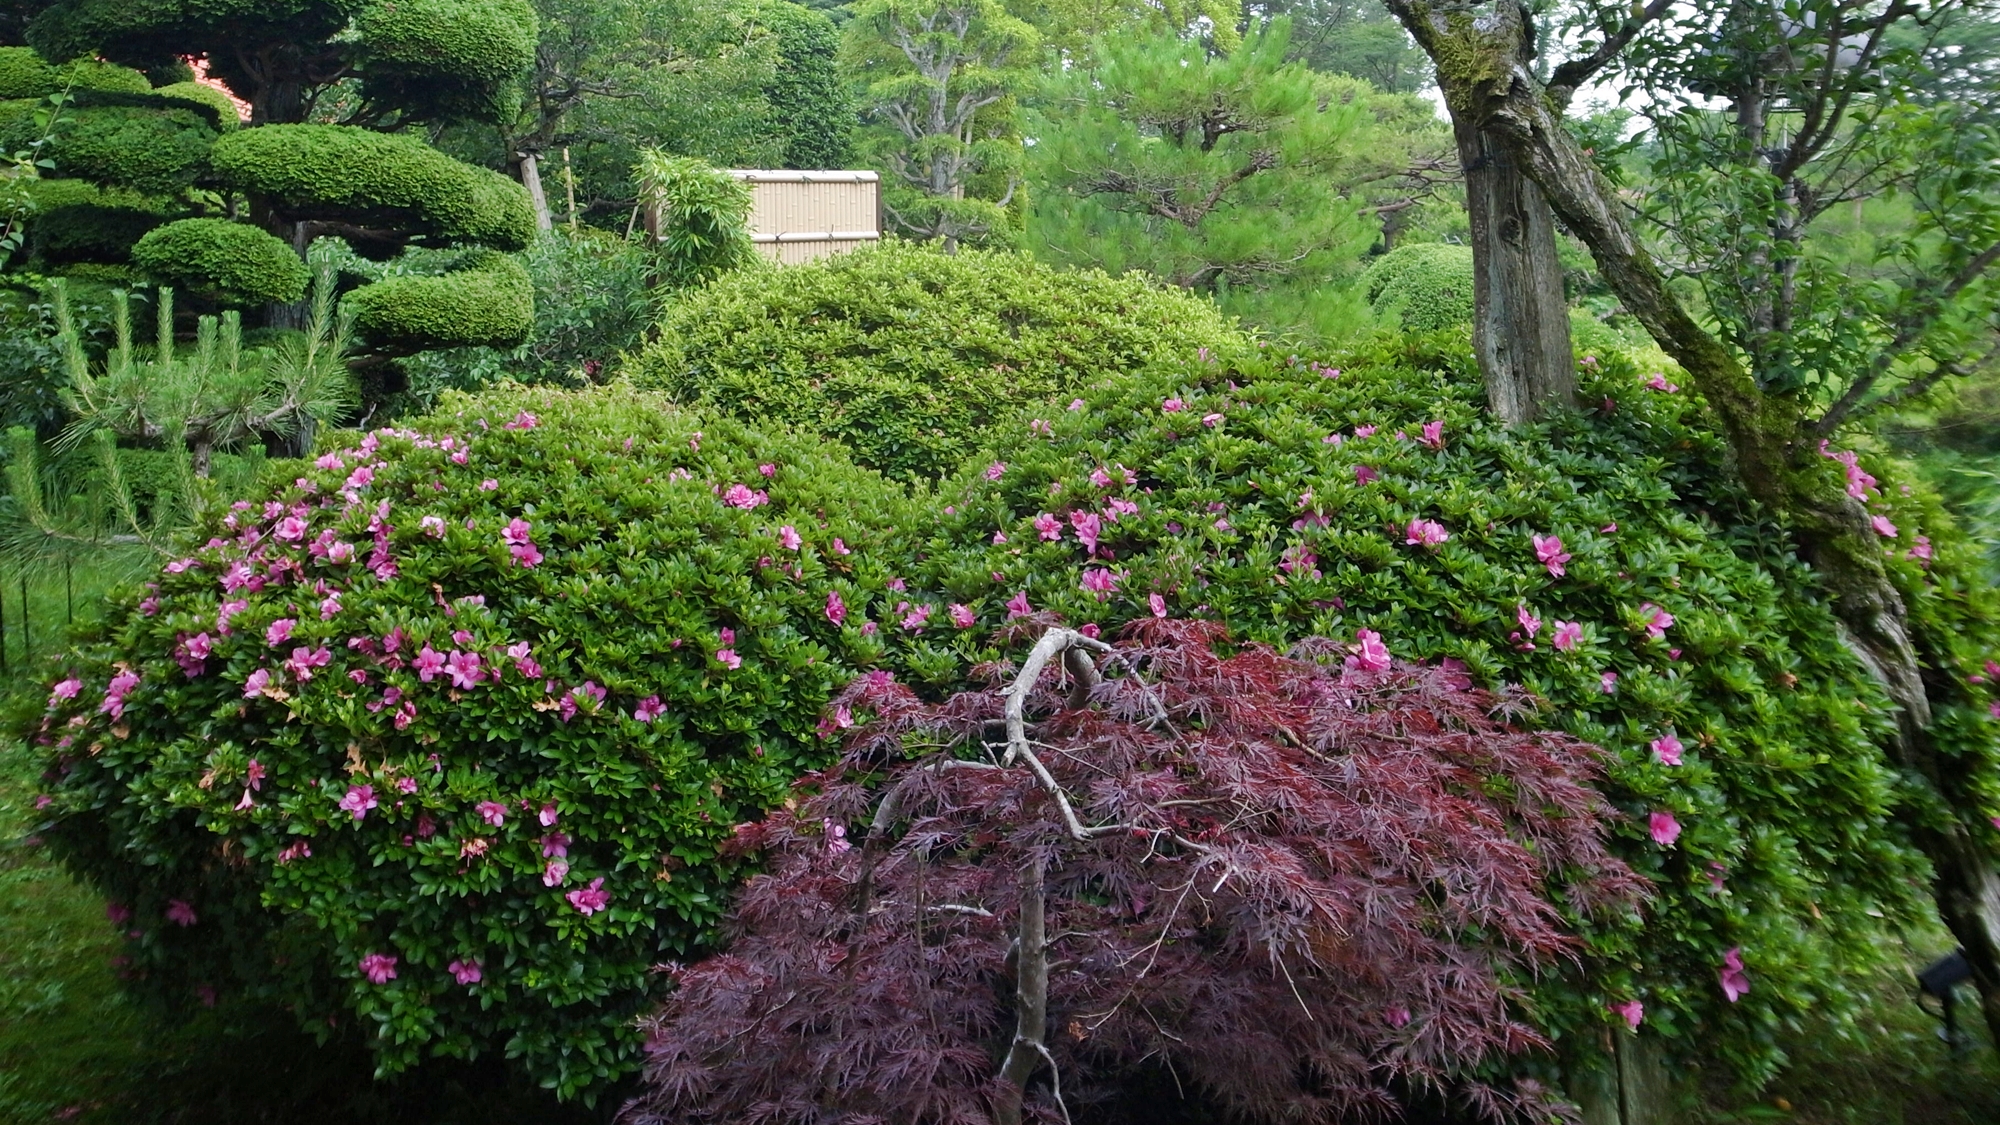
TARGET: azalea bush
(1594,560)
(1308,886)
(442,741)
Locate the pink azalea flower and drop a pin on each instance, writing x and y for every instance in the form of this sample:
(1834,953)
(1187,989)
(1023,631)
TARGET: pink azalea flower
(340,553)
(788,538)
(303,660)
(464,668)
(1172,406)
(522,421)
(465,972)
(1099,581)
(64,690)
(649,708)
(1549,551)
(429,663)
(738,496)
(1433,435)
(406,785)
(1735,982)
(840,548)
(329,608)
(914,617)
(1608,683)
(1211,420)
(1398,1016)
(994,470)
(728,659)
(114,694)
(1370,654)
(297,849)
(488,485)
(118,913)
(1087,526)
(1667,750)
(1659,383)
(1567,635)
(1017,606)
(1333,439)
(1530,624)
(1632,1011)
(257,682)
(555,844)
(1049,526)
(1883,527)
(279,631)
(359,799)
(1717,873)
(555,872)
(961,616)
(492,812)
(1158,604)
(517,532)
(836,609)
(361,477)
(1426,533)
(1664,828)
(291,529)
(1076,404)
(548,814)
(379,968)
(433,526)
(1658,620)
(180,913)
(1040,426)
(768,470)
(1922,551)
(591,899)
(1365,475)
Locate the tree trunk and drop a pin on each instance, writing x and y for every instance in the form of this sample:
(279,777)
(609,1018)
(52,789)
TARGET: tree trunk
(531,178)
(1488,85)
(1031,1000)
(1520,321)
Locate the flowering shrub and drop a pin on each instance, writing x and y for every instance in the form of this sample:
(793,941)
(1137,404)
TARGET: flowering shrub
(1594,560)
(441,741)
(1303,885)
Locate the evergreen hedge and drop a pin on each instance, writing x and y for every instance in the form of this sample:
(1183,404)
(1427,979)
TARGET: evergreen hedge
(236,262)
(1427,284)
(156,149)
(445,58)
(488,302)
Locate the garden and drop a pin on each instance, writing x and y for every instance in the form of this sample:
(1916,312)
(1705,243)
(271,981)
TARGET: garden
(1335,562)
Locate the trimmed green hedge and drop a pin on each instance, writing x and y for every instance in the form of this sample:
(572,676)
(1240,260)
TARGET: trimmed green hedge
(199,94)
(236,262)
(342,173)
(25,74)
(77,221)
(488,303)
(450,59)
(907,355)
(1428,284)
(159,150)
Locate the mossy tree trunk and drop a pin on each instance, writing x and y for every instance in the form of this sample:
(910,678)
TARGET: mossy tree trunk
(1489,86)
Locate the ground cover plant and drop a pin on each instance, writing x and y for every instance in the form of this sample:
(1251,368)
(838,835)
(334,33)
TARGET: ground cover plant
(442,739)
(1595,560)
(1302,887)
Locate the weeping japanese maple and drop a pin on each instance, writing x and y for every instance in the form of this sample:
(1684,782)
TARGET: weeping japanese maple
(1285,887)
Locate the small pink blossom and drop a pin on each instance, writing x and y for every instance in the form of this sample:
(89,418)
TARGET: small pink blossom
(591,899)
(429,663)
(1172,406)
(1549,552)
(379,968)
(359,799)
(1658,620)
(488,485)
(279,631)
(1364,432)
(1158,604)
(840,548)
(1433,435)
(994,470)
(1663,828)
(836,836)
(1049,526)
(1530,624)
(297,849)
(1632,1012)
(1041,427)
(63,691)
(1088,526)
(433,526)
(464,668)
(836,608)
(556,871)
(256,683)
(914,617)
(1397,1016)
(1099,581)
(291,529)
(1735,982)
(788,538)
(548,814)
(1076,404)
(1567,635)
(728,658)
(1211,420)
(648,709)
(1364,474)
(1017,606)
(555,844)
(1883,527)
(1425,533)
(961,615)
(1667,750)
(1608,683)
(492,812)
(180,913)
(1370,654)
(1658,382)
(465,972)
(522,421)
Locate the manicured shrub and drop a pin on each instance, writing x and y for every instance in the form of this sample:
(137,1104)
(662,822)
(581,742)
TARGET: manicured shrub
(1427,284)
(440,745)
(393,180)
(445,58)
(236,262)
(158,150)
(490,302)
(811,107)
(25,74)
(204,95)
(1658,615)
(907,355)
(75,220)
(1297,888)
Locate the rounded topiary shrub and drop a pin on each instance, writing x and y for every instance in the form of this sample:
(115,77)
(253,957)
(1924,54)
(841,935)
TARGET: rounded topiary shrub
(1594,560)
(348,174)
(439,744)
(236,262)
(25,74)
(77,221)
(1428,285)
(446,58)
(158,150)
(200,93)
(906,355)
(488,303)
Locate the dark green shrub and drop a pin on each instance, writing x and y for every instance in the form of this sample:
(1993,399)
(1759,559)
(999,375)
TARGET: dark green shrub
(1239,506)
(907,355)
(236,262)
(394,180)
(490,302)
(1427,284)
(201,94)
(598,555)
(77,221)
(811,107)
(445,58)
(158,150)
(25,74)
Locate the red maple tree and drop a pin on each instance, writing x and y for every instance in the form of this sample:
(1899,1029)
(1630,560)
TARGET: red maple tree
(1299,889)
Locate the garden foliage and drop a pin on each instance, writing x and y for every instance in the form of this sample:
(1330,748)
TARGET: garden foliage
(1594,560)
(442,741)
(1426,285)
(1303,889)
(234,261)
(487,301)
(907,355)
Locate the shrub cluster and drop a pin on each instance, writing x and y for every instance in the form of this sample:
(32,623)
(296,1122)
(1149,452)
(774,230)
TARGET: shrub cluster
(75,220)
(445,58)
(907,355)
(441,741)
(1427,284)
(340,172)
(201,94)
(236,262)
(489,302)
(156,149)
(25,74)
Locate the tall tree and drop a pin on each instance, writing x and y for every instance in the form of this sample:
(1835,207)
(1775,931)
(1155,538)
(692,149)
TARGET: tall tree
(1357,37)
(940,79)
(1817,106)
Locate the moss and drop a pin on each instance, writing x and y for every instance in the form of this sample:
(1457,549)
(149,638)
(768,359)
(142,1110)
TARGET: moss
(488,303)
(238,263)
(389,180)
